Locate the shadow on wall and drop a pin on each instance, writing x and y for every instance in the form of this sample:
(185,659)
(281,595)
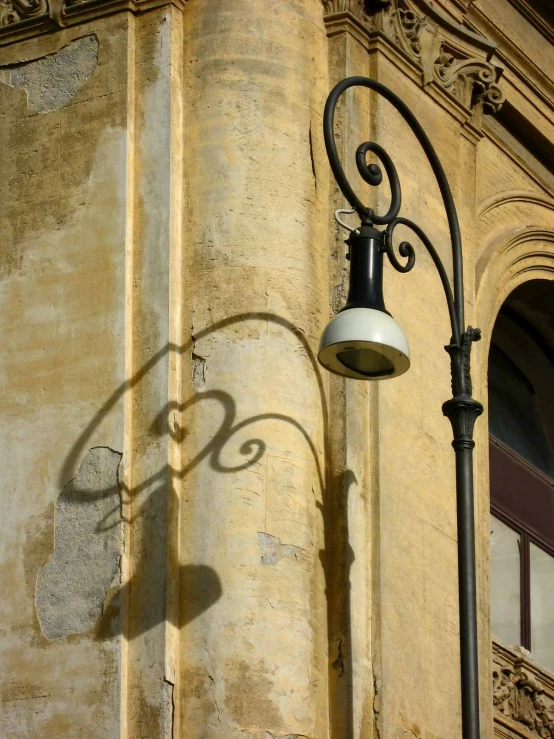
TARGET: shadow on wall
(72,585)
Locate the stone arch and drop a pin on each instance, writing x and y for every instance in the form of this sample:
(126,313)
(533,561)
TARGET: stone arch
(508,197)
(512,258)
(518,257)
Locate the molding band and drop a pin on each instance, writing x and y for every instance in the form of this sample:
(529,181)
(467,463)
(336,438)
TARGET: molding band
(21,19)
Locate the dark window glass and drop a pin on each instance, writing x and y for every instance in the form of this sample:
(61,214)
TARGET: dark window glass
(514,417)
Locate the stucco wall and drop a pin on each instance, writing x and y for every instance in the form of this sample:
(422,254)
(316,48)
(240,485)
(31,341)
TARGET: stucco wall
(63,128)
(204,535)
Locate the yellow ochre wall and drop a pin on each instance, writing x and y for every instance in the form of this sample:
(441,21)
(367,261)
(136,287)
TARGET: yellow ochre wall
(204,535)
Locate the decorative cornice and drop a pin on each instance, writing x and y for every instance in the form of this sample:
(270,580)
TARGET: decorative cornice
(20,19)
(532,79)
(536,18)
(523,694)
(497,134)
(449,26)
(355,7)
(454,58)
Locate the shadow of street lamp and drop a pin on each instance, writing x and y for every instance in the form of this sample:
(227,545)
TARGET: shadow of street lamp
(364,342)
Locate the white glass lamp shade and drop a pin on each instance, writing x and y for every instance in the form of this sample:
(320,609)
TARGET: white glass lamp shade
(364,344)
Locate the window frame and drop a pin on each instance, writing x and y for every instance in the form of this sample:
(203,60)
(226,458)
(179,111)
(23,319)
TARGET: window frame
(528,523)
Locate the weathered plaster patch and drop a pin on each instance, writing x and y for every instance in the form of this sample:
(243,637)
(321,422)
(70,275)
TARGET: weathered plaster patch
(88,539)
(340,293)
(51,82)
(273,550)
(168,698)
(248,696)
(198,372)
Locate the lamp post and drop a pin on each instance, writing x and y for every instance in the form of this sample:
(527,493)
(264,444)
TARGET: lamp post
(364,342)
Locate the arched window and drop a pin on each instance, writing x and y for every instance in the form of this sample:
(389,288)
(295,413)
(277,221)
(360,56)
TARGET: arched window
(521,424)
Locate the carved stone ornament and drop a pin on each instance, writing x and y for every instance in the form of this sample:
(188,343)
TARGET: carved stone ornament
(447,54)
(404,27)
(522,700)
(15,11)
(468,80)
(355,7)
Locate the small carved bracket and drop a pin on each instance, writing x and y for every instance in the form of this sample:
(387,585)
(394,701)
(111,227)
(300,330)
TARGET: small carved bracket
(448,55)
(471,81)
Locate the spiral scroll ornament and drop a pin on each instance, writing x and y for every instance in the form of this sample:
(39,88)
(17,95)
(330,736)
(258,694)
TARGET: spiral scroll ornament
(373,176)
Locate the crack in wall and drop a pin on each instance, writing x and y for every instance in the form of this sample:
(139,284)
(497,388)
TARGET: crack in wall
(212,683)
(312,160)
(376,707)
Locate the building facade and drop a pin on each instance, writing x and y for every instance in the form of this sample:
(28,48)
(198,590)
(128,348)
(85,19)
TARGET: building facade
(204,534)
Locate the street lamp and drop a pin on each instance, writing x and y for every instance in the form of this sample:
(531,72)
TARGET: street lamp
(363,341)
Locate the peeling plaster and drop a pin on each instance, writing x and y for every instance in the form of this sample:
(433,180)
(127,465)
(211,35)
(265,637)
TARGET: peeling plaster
(168,708)
(376,707)
(273,550)
(88,539)
(198,372)
(52,81)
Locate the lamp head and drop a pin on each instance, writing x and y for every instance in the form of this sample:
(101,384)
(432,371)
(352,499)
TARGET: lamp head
(364,341)
(364,344)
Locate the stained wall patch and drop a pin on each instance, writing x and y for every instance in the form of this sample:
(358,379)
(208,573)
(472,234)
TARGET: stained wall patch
(88,539)
(51,81)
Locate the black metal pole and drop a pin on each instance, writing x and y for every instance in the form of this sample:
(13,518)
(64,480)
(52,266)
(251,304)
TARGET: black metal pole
(461,409)
(467,591)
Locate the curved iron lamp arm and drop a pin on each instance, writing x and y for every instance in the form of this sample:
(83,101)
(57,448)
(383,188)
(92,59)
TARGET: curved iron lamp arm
(372,175)
(462,410)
